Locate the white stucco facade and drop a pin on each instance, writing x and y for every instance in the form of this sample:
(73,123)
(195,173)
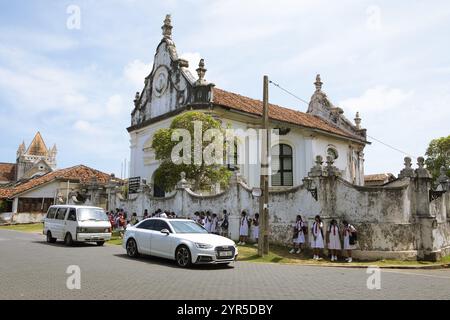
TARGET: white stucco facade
(170,89)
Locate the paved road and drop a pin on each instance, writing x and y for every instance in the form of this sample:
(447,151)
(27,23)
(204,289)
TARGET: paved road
(32,269)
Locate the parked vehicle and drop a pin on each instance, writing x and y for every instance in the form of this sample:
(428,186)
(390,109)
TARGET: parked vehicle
(77,224)
(182,240)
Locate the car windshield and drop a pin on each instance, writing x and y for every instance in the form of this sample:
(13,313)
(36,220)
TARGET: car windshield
(187,227)
(84,214)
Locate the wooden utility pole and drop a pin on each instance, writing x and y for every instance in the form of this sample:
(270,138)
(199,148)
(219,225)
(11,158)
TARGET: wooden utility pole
(263,243)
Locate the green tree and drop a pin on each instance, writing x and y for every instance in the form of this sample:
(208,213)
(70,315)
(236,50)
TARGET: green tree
(438,155)
(200,175)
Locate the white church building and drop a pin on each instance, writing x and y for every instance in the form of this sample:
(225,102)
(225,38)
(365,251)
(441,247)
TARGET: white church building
(171,89)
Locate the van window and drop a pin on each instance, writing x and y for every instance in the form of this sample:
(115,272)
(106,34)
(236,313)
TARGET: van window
(91,214)
(72,215)
(51,213)
(61,213)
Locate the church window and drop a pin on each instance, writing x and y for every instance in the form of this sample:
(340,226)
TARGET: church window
(282,174)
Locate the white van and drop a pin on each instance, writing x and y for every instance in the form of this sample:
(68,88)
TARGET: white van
(77,223)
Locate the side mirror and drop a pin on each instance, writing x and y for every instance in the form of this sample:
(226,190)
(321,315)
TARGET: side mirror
(165,231)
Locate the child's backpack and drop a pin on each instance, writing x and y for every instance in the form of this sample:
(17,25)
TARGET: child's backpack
(225,223)
(353,238)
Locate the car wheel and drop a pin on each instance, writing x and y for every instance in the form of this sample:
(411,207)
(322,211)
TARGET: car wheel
(68,241)
(183,257)
(50,239)
(132,250)
(100,243)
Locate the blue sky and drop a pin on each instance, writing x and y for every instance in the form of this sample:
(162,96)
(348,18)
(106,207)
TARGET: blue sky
(389,60)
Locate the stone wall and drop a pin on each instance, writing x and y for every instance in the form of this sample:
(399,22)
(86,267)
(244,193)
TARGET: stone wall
(397,220)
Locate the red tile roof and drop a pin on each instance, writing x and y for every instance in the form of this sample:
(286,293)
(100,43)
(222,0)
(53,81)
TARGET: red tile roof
(238,102)
(7,172)
(80,173)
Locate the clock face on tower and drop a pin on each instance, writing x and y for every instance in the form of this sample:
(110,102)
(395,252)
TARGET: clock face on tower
(160,81)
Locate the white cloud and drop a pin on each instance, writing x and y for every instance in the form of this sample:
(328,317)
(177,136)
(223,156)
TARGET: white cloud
(378,99)
(136,71)
(115,105)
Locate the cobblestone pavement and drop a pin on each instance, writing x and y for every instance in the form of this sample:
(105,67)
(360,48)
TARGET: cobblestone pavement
(32,269)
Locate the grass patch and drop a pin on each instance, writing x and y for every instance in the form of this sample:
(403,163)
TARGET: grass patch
(29,227)
(280,254)
(115,239)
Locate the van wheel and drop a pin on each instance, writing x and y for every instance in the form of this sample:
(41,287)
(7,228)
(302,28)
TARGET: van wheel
(100,243)
(68,239)
(132,250)
(183,257)
(50,239)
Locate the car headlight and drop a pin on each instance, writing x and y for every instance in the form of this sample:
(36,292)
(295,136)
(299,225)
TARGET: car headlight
(203,245)
(81,230)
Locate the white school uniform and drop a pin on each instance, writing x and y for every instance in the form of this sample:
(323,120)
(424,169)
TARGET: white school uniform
(208,224)
(301,236)
(214,226)
(316,231)
(243,228)
(347,232)
(334,242)
(255,231)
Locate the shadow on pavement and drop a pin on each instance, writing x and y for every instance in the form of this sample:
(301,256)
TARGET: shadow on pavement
(172,264)
(61,244)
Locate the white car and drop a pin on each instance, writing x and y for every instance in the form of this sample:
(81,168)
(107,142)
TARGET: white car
(76,224)
(182,240)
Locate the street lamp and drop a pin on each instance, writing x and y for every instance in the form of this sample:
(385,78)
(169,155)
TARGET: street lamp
(310,186)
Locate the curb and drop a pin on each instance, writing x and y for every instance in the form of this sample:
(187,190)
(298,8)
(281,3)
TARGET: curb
(349,266)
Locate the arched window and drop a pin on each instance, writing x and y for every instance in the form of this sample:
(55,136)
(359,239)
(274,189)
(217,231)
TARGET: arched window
(282,165)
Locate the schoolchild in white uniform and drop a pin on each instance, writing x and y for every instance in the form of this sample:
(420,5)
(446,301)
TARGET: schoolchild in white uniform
(317,241)
(214,224)
(243,228)
(298,238)
(334,239)
(349,231)
(208,221)
(255,228)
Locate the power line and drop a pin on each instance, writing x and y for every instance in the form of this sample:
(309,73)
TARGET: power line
(306,102)
(389,146)
(288,92)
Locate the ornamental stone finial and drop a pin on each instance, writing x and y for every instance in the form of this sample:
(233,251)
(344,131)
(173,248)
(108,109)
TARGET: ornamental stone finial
(318,83)
(167,27)
(319,160)
(407,172)
(420,162)
(330,160)
(201,71)
(421,171)
(317,170)
(357,121)
(443,175)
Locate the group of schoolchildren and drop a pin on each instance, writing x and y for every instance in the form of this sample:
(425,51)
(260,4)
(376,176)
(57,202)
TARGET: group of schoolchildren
(212,222)
(332,238)
(244,226)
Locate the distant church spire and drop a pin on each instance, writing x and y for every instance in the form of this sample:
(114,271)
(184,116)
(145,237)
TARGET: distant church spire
(167,27)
